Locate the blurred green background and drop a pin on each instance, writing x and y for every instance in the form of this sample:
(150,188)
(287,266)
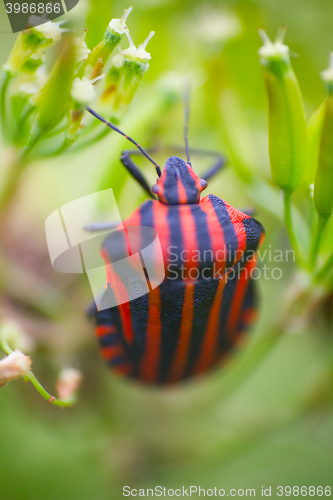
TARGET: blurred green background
(249,425)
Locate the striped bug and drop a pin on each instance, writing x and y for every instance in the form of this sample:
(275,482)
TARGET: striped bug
(190,322)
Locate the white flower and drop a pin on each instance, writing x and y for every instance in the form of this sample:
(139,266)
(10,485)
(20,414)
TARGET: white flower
(14,366)
(276,49)
(51,31)
(83,91)
(81,50)
(68,383)
(140,52)
(117,60)
(118,25)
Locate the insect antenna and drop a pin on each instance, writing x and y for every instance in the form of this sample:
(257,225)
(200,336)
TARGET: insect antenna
(113,127)
(186,120)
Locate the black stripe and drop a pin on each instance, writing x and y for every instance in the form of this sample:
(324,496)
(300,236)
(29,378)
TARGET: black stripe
(170,187)
(140,306)
(250,302)
(227,226)
(172,295)
(224,343)
(253,230)
(189,184)
(203,238)
(109,340)
(175,169)
(176,240)
(204,295)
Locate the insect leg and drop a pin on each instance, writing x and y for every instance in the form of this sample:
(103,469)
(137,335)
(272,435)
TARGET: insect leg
(218,164)
(215,168)
(100,226)
(135,172)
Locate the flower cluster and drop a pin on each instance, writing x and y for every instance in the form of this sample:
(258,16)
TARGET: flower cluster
(38,104)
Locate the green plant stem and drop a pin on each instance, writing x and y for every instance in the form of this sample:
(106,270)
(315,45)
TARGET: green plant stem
(290,228)
(6,347)
(326,268)
(38,386)
(316,240)
(51,399)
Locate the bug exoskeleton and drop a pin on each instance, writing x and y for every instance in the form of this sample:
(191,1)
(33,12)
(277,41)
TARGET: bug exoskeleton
(196,316)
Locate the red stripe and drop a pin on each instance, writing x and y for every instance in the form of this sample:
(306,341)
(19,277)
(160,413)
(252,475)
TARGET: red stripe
(161,224)
(111,352)
(160,183)
(117,285)
(249,316)
(182,196)
(216,236)
(209,348)
(180,360)
(237,218)
(134,219)
(189,237)
(122,299)
(151,359)
(238,299)
(190,243)
(103,330)
(194,177)
(123,369)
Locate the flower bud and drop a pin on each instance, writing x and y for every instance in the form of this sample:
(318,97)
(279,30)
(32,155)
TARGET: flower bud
(288,140)
(68,383)
(323,188)
(112,80)
(134,66)
(81,50)
(14,366)
(112,37)
(30,41)
(83,91)
(47,32)
(315,127)
(139,54)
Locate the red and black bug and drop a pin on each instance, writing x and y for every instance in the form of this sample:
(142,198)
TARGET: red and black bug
(197,315)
